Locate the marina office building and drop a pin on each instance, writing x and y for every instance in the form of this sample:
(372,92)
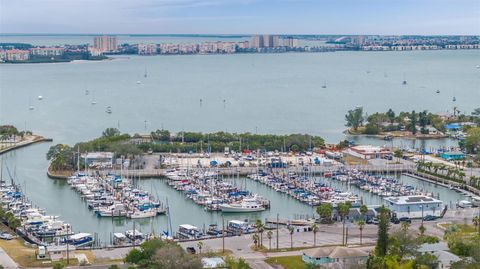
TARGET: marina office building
(415,206)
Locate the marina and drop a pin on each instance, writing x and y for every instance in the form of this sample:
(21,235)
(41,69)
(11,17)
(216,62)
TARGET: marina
(62,198)
(208,189)
(112,196)
(174,76)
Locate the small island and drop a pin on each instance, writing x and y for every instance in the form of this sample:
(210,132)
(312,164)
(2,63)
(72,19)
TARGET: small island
(422,125)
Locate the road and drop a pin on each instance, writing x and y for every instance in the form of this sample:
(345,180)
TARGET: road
(6,261)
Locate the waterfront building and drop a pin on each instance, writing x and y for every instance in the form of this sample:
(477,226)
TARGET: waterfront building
(243,45)
(57,253)
(265,41)
(16,55)
(47,51)
(105,43)
(414,206)
(257,41)
(290,42)
(335,257)
(94,51)
(101,159)
(453,155)
(368,152)
(147,49)
(3,55)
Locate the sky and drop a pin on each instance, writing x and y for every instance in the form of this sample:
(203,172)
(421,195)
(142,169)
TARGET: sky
(390,17)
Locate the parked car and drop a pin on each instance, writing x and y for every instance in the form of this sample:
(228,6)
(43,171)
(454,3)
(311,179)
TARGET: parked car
(191,250)
(405,219)
(372,221)
(429,218)
(6,236)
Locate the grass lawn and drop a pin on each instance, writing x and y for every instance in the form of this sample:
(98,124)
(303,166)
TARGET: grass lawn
(463,228)
(23,255)
(287,262)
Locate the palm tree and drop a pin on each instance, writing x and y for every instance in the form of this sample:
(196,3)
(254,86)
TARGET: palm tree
(200,246)
(269,236)
(343,210)
(363,211)
(405,225)
(476,222)
(361,225)
(260,230)
(291,230)
(255,240)
(422,229)
(314,230)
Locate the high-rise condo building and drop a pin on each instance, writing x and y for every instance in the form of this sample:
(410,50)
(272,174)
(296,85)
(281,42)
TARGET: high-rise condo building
(265,41)
(105,43)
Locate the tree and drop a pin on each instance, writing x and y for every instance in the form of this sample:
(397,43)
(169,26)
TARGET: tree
(269,236)
(173,256)
(255,239)
(61,157)
(260,230)
(425,260)
(383,227)
(314,231)
(111,132)
(413,122)
(361,225)
(134,256)
(343,209)
(291,230)
(476,223)
(363,211)
(390,115)
(200,246)
(354,118)
(398,154)
(325,211)
(472,140)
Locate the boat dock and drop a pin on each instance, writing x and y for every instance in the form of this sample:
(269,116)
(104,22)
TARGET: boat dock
(248,170)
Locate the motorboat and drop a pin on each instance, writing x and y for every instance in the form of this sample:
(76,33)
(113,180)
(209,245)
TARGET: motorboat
(139,214)
(246,205)
(80,239)
(465,204)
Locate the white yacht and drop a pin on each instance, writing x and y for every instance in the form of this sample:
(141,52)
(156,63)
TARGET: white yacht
(138,214)
(246,205)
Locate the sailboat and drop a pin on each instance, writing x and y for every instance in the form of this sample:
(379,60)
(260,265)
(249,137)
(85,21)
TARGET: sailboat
(86,92)
(94,102)
(145,75)
(109,110)
(454,99)
(404,80)
(324,85)
(438,91)
(30,106)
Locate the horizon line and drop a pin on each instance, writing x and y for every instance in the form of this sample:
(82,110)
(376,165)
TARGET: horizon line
(223,35)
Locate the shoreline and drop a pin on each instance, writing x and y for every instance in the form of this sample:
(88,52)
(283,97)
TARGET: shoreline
(396,135)
(37,139)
